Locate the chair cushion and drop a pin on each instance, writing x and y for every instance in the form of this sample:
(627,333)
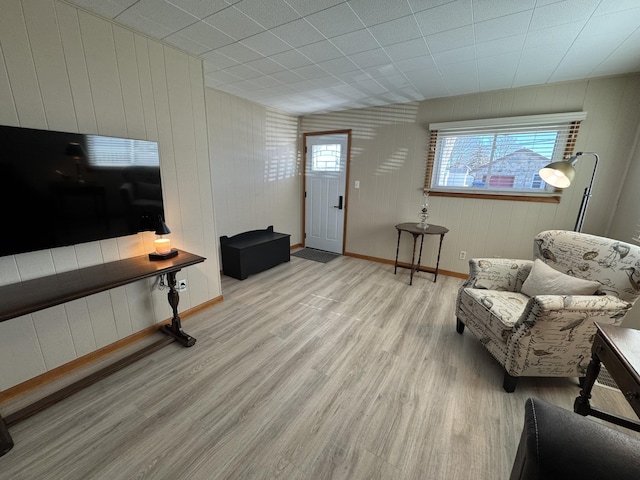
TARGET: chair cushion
(498,310)
(545,280)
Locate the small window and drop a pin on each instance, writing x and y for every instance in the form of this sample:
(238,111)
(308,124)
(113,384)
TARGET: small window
(325,158)
(500,155)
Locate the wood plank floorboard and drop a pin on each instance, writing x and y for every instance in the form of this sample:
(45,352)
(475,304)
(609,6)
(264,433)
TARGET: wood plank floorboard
(307,371)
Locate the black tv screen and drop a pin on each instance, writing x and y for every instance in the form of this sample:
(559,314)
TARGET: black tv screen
(59,189)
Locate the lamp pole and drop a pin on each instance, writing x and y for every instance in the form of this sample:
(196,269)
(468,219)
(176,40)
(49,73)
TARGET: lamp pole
(587,192)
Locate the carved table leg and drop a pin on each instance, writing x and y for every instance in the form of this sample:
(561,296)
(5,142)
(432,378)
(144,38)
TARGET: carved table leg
(175,327)
(413,259)
(395,268)
(6,442)
(581,404)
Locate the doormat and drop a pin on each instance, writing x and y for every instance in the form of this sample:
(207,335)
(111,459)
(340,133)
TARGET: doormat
(315,255)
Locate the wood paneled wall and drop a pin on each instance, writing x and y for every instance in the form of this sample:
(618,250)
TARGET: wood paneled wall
(64,69)
(256,166)
(389,156)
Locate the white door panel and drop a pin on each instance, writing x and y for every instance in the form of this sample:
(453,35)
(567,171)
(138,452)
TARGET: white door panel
(325,185)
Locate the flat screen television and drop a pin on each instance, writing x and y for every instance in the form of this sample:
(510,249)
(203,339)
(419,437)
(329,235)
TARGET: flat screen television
(59,189)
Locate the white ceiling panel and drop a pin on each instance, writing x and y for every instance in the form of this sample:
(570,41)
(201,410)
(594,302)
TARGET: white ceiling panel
(234,23)
(270,13)
(307,56)
(298,33)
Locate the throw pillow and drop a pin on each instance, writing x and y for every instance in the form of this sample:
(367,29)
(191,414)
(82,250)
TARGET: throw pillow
(544,280)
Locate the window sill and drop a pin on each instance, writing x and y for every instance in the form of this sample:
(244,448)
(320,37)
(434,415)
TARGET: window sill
(496,196)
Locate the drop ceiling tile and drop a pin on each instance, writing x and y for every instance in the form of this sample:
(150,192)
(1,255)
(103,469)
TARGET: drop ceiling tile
(186,44)
(287,77)
(445,17)
(497,72)
(265,43)
(488,9)
(265,66)
(291,59)
(536,65)
(298,33)
(222,77)
(338,65)
(143,25)
(396,31)
(106,8)
(234,23)
(370,58)
(243,72)
(205,34)
(355,42)
(502,27)
(336,21)
(216,61)
(409,49)
(270,13)
(310,72)
(501,46)
(416,63)
(456,55)
(265,81)
(372,12)
(559,13)
(383,71)
(450,40)
(160,12)
(239,52)
(307,7)
(354,76)
(326,82)
(558,36)
(609,6)
(200,8)
(320,51)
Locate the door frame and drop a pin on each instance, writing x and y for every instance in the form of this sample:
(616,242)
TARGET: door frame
(304,181)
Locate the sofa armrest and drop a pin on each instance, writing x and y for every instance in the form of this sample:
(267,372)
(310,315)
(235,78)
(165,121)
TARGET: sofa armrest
(559,444)
(497,273)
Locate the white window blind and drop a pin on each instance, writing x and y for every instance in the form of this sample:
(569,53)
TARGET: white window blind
(499,154)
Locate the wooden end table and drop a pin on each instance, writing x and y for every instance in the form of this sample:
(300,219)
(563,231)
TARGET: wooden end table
(618,349)
(413,229)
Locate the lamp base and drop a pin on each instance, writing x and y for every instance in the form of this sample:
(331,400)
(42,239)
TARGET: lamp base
(163,256)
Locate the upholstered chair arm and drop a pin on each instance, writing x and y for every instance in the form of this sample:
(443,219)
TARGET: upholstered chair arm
(497,273)
(554,329)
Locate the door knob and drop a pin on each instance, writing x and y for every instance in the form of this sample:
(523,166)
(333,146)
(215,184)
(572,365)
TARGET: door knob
(339,206)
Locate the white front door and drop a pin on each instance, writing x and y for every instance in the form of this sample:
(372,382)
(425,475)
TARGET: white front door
(325,199)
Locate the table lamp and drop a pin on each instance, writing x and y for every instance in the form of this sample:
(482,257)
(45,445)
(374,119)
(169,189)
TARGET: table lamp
(162,245)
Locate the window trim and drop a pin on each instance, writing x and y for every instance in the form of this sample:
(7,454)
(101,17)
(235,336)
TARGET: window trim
(573,119)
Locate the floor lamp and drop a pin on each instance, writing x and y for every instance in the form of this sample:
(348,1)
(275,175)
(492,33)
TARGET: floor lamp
(561,174)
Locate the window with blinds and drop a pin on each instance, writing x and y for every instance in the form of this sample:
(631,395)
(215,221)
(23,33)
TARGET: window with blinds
(499,155)
(121,152)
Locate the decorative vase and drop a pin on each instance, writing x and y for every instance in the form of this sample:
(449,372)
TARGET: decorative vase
(424,212)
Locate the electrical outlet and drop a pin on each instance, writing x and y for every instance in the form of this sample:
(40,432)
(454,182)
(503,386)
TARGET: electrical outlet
(182,285)
(462,255)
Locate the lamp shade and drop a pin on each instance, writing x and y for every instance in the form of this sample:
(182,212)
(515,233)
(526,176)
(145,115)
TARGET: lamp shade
(162,227)
(558,174)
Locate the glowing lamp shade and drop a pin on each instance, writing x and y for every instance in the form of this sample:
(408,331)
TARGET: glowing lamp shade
(558,174)
(162,245)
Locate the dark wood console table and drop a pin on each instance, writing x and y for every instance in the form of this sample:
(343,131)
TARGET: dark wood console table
(618,349)
(40,293)
(416,231)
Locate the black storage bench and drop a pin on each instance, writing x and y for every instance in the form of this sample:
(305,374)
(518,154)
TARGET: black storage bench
(253,252)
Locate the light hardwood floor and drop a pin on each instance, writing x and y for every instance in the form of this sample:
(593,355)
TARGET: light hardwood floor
(306,371)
